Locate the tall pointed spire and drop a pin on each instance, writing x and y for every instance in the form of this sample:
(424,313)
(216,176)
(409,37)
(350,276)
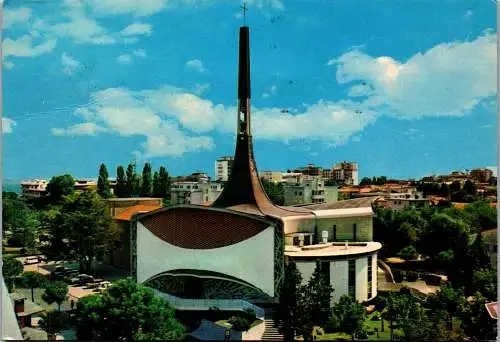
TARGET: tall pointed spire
(243,190)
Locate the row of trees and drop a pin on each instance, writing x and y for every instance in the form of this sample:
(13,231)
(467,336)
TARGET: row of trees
(455,192)
(131,184)
(373,181)
(274,191)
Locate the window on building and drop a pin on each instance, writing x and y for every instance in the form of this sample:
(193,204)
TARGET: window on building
(307,240)
(369,277)
(354,232)
(351,279)
(334,232)
(300,193)
(296,241)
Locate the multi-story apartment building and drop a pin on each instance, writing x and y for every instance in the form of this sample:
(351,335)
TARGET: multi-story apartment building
(34,188)
(307,190)
(198,177)
(223,167)
(272,176)
(346,172)
(197,193)
(310,170)
(481,175)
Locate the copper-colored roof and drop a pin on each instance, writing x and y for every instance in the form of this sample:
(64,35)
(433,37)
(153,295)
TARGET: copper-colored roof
(352,203)
(492,309)
(127,214)
(200,227)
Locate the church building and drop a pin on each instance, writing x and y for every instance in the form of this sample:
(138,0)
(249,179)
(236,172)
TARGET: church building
(232,254)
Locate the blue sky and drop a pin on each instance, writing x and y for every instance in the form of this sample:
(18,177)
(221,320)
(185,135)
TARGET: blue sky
(405,89)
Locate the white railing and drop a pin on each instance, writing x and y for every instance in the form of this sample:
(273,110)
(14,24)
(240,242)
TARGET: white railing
(221,304)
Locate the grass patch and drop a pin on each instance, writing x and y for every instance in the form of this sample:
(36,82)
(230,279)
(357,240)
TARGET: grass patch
(369,326)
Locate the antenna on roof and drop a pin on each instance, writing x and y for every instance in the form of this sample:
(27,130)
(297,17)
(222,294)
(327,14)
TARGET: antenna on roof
(244,8)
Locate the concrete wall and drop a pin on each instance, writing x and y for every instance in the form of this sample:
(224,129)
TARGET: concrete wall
(251,260)
(364,226)
(339,271)
(362,279)
(299,225)
(331,194)
(339,276)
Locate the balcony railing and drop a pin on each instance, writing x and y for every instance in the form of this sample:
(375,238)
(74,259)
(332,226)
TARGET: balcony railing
(206,304)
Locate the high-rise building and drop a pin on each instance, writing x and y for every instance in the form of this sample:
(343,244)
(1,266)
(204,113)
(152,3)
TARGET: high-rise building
(481,175)
(346,172)
(223,167)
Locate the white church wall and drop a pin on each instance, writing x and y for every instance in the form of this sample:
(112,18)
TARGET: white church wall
(362,279)
(306,269)
(251,260)
(338,279)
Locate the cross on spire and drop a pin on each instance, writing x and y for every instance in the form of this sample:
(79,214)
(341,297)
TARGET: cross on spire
(244,8)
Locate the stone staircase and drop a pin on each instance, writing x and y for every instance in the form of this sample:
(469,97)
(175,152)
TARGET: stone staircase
(271,329)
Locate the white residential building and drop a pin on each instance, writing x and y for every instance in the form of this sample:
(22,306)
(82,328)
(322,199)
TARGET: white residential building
(195,192)
(223,167)
(301,189)
(346,172)
(34,188)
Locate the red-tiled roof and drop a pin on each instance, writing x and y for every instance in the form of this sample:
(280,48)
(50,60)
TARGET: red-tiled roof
(127,214)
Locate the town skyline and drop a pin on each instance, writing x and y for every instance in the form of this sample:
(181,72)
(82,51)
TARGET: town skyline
(123,86)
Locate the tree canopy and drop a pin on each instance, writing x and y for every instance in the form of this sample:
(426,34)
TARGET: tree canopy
(126,311)
(55,292)
(60,186)
(11,268)
(103,187)
(33,280)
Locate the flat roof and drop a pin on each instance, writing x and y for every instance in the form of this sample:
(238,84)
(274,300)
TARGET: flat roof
(351,203)
(332,249)
(132,199)
(346,212)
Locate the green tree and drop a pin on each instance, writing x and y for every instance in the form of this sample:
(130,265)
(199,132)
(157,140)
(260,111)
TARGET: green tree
(156,185)
(485,281)
(33,280)
(55,292)
(349,316)
(288,311)
(450,300)
(390,312)
(126,311)
(11,268)
(480,215)
(444,191)
(60,186)
(274,191)
(147,181)
(408,253)
(90,231)
(477,323)
(132,180)
(121,183)
(164,183)
(365,181)
(103,188)
(53,322)
(314,303)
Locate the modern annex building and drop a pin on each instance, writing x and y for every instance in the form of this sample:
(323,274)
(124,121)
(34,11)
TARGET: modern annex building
(235,250)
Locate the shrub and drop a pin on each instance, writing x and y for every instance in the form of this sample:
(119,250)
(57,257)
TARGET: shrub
(239,323)
(412,276)
(362,334)
(408,253)
(398,275)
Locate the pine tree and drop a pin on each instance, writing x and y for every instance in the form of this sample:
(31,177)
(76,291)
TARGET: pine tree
(121,183)
(103,187)
(147,181)
(131,180)
(288,312)
(164,183)
(156,185)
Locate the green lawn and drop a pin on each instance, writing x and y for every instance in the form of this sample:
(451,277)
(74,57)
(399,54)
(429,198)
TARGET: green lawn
(369,326)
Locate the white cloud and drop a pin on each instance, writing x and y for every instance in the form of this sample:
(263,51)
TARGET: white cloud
(23,47)
(140,53)
(69,64)
(86,128)
(82,30)
(272,91)
(195,64)
(12,16)
(426,84)
(200,88)
(8,125)
(8,64)
(136,29)
(124,59)
(134,7)
(468,14)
